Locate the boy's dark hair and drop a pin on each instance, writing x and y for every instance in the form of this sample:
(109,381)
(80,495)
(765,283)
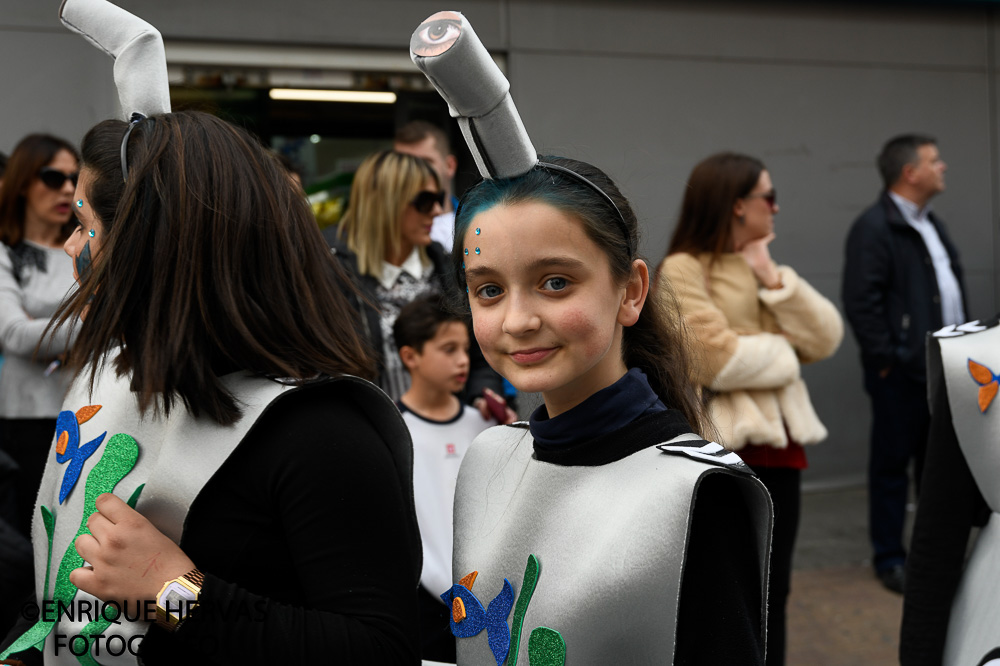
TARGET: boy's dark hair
(419,321)
(897,153)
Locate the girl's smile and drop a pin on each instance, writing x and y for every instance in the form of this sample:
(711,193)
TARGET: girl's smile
(545,309)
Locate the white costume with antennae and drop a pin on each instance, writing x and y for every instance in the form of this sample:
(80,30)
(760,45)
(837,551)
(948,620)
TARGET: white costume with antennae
(607,532)
(208,487)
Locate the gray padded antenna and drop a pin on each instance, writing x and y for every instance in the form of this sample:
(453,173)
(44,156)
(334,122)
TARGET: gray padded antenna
(136,46)
(447,50)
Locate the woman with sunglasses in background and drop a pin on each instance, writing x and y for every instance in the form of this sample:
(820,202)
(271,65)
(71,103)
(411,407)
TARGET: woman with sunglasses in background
(384,241)
(752,323)
(36,217)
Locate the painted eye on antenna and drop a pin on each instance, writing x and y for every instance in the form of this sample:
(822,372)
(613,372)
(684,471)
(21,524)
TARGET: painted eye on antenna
(437,34)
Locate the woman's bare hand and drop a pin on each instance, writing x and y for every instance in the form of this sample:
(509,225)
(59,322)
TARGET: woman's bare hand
(129,558)
(758,256)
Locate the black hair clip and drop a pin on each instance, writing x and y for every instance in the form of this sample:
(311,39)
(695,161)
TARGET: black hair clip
(132,122)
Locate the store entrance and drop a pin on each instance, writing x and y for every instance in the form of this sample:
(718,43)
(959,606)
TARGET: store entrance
(322,141)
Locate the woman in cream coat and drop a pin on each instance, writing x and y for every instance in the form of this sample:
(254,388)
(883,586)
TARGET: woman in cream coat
(752,324)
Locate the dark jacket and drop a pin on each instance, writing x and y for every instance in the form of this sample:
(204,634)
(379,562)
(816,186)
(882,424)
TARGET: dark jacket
(890,289)
(481,375)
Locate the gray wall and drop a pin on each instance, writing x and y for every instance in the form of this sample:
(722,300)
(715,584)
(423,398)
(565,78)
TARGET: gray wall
(645,90)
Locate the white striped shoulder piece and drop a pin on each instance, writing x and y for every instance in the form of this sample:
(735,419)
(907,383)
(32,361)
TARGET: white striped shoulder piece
(692,446)
(956,330)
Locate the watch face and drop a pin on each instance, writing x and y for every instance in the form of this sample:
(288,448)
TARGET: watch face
(177,600)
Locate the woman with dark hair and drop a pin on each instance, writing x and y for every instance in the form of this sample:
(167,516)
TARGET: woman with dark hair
(219,394)
(384,241)
(35,219)
(753,324)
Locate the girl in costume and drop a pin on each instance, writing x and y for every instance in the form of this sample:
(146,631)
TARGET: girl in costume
(754,322)
(220,474)
(600,531)
(951,609)
(35,219)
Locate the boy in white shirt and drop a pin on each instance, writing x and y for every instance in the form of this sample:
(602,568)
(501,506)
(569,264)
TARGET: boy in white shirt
(433,344)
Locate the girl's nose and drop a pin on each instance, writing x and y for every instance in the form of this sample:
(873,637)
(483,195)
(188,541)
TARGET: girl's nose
(519,318)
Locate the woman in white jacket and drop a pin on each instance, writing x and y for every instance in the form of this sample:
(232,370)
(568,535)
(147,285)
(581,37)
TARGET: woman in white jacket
(752,324)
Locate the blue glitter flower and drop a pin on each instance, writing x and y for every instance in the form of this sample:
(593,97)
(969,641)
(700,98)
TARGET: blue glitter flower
(469,617)
(68,447)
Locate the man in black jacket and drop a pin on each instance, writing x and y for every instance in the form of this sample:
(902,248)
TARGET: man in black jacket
(902,278)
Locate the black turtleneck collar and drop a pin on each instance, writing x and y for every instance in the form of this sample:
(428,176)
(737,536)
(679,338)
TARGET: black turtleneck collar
(612,424)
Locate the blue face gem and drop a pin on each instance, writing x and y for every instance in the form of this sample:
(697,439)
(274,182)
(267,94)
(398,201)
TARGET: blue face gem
(79,203)
(463,265)
(92,233)
(466,251)
(478,230)
(477,250)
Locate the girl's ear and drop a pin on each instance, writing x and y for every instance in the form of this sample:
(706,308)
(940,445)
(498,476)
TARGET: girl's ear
(636,291)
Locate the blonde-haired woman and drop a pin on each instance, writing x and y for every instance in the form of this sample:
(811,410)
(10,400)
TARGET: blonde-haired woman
(384,242)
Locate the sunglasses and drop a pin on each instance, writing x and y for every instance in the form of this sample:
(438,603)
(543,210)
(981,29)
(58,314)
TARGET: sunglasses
(425,200)
(54,178)
(770,197)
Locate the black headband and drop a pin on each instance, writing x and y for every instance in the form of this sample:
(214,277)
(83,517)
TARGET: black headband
(620,219)
(133,121)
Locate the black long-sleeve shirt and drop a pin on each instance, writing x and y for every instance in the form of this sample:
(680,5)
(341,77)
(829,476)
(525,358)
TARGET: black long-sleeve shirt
(302,536)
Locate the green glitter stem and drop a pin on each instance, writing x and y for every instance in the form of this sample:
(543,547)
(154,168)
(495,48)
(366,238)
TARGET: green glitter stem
(101,624)
(531,572)
(546,647)
(49,520)
(118,459)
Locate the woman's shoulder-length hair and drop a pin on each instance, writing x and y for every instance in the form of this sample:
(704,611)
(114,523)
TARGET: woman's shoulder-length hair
(31,154)
(383,187)
(210,261)
(706,216)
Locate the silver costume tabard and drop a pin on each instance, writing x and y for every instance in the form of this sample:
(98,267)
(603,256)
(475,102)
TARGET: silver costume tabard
(160,465)
(970,356)
(604,547)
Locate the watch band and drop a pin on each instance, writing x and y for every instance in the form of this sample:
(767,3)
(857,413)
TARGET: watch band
(196,577)
(192,582)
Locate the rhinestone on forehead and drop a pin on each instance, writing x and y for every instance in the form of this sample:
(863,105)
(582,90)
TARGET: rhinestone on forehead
(477,250)
(478,230)
(466,251)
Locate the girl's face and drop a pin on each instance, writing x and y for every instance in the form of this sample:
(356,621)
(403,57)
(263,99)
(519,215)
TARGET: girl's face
(545,308)
(52,205)
(83,243)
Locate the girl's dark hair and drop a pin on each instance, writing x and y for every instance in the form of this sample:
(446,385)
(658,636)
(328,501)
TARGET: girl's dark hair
(655,343)
(714,186)
(31,154)
(210,262)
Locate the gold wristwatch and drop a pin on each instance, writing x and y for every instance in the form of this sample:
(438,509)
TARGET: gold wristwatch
(176,599)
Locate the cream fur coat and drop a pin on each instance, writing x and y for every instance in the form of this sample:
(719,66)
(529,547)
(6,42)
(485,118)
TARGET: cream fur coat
(748,343)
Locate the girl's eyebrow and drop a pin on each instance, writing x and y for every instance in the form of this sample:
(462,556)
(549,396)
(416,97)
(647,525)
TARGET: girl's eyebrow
(566,263)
